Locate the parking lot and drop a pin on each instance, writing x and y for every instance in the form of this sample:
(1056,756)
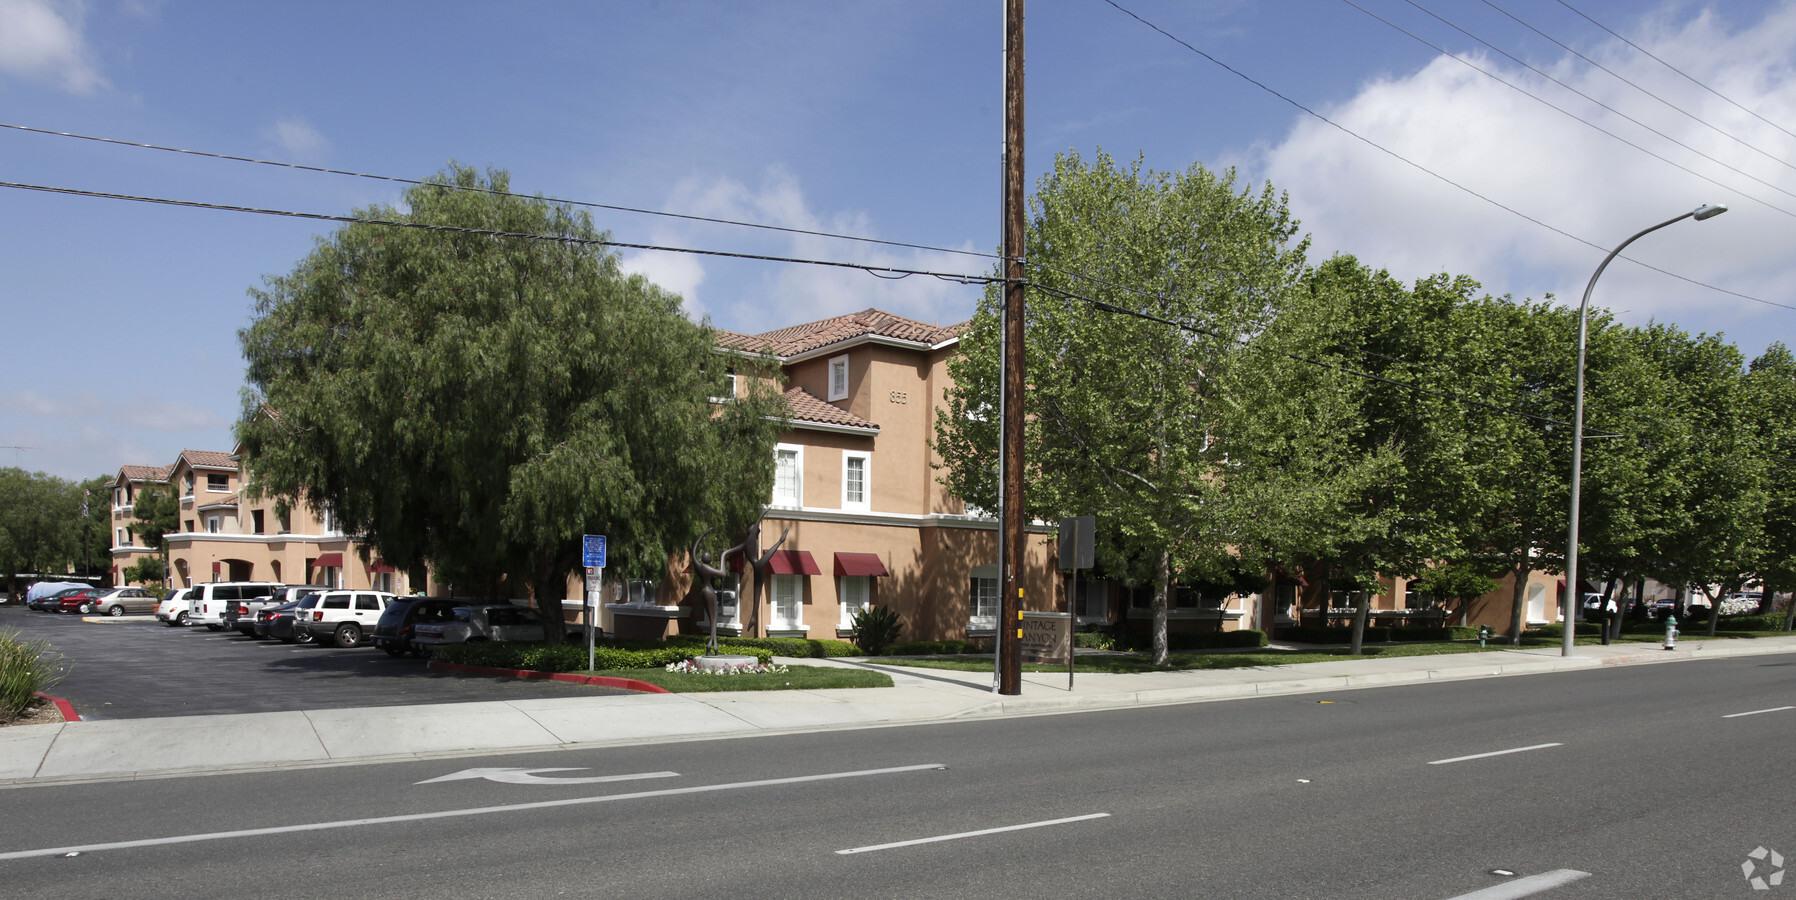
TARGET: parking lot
(136,667)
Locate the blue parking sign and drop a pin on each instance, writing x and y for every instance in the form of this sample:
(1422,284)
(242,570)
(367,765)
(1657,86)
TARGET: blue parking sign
(592,551)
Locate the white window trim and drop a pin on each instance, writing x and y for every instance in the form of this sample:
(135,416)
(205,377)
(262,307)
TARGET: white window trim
(730,395)
(215,524)
(984,623)
(838,363)
(842,582)
(798,476)
(797,621)
(866,501)
(223,490)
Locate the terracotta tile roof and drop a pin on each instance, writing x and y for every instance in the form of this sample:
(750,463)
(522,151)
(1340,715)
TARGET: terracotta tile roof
(805,406)
(210,459)
(230,501)
(145,473)
(797,339)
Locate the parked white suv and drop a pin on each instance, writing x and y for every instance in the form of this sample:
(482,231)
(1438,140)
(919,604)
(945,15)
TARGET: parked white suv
(344,616)
(209,601)
(172,611)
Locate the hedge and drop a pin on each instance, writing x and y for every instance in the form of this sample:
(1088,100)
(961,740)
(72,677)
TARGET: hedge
(1343,634)
(806,648)
(1211,640)
(933,648)
(572,657)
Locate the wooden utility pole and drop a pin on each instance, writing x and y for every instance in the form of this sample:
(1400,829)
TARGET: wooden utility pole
(1010,550)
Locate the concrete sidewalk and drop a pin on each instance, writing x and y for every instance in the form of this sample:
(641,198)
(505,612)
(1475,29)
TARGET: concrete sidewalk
(139,748)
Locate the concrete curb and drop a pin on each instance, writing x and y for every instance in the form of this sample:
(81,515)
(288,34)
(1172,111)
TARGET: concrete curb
(62,706)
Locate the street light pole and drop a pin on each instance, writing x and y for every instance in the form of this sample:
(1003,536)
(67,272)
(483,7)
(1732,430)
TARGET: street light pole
(1568,605)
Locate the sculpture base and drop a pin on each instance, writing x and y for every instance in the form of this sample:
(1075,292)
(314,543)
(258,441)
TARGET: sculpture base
(725,661)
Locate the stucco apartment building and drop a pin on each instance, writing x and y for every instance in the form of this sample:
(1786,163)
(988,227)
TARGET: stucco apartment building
(222,535)
(856,495)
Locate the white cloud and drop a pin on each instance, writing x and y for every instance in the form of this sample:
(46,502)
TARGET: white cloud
(1517,152)
(41,40)
(760,296)
(142,413)
(298,138)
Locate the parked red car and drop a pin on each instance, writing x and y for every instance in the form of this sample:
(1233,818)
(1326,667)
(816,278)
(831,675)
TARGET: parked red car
(81,601)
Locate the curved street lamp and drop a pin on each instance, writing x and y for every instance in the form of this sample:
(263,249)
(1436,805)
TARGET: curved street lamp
(1568,606)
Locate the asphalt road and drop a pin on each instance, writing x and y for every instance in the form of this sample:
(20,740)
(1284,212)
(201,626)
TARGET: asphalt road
(136,668)
(1640,782)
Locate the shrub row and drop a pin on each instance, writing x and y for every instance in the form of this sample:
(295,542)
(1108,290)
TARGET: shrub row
(26,667)
(1211,640)
(805,648)
(932,648)
(1343,634)
(572,657)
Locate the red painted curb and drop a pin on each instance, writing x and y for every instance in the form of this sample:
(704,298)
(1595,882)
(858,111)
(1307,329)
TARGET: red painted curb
(65,707)
(628,684)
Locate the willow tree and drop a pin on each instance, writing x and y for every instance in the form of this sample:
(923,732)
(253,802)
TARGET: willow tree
(476,393)
(1123,410)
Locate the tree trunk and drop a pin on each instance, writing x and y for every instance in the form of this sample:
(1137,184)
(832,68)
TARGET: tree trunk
(1518,602)
(550,591)
(1162,586)
(1362,611)
(1714,609)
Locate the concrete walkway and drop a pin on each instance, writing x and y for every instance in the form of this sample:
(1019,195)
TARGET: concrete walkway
(139,748)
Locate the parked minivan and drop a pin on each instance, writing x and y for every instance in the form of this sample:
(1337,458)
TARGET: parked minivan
(209,600)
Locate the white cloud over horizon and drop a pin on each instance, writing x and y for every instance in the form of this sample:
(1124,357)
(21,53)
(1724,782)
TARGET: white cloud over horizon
(774,295)
(41,40)
(297,138)
(1494,140)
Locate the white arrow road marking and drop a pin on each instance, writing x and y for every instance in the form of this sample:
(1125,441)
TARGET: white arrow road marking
(456,813)
(526,776)
(1442,762)
(1526,887)
(968,834)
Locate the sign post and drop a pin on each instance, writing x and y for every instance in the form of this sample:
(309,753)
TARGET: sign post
(592,556)
(1078,543)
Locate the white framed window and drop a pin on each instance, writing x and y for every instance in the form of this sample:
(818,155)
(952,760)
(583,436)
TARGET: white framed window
(788,603)
(218,483)
(1092,600)
(123,540)
(214,524)
(856,489)
(788,476)
(853,593)
(383,581)
(328,519)
(331,576)
(187,485)
(640,592)
(726,392)
(982,602)
(838,378)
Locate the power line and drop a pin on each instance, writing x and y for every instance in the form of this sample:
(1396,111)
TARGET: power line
(1430,172)
(1692,79)
(497,193)
(888,271)
(1568,113)
(1619,77)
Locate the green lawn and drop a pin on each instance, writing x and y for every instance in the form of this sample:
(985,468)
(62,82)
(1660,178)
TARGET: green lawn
(796,678)
(1139,662)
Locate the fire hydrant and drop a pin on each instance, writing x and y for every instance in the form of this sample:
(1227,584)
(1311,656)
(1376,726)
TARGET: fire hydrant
(1671,632)
(1483,635)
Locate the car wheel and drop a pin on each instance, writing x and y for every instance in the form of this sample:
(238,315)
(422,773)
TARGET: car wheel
(180,618)
(304,637)
(394,651)
(86,608)
(348,635)
(115,611)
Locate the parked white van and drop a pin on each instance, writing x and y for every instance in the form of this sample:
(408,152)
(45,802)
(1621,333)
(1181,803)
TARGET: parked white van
(208,602)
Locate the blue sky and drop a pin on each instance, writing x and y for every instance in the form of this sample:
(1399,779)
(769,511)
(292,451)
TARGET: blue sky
(880,119)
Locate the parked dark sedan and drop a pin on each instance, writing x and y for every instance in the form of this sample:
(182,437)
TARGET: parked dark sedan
(83,601)
(393,633)
(282,622)
(53,602)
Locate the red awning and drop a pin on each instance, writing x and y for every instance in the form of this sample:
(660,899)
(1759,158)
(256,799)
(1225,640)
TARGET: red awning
(860,564)
(380,565)
(328,561)
(793,562)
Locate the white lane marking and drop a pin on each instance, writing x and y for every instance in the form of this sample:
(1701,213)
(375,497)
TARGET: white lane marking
(968,834)
(1442,762)
(455,813)
(1524,887)
(529,776)
(1758,711)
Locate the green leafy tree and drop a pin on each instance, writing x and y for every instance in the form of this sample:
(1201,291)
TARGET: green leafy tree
(1771,383)
(476,402)
(40,525)
(1123,411)
(158,513)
